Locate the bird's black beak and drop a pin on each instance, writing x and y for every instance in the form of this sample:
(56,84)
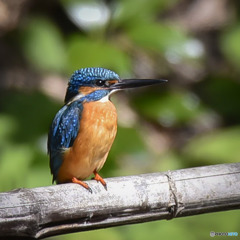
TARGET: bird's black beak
(135,83)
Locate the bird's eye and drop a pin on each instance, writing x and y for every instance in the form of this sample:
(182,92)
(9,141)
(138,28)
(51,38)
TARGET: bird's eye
(100,83)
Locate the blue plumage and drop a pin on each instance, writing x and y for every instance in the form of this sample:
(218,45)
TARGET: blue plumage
(62,133)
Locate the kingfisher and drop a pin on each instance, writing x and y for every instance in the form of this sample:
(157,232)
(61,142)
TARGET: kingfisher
(83,130)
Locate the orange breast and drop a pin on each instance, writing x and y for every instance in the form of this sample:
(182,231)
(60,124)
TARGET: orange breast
(97,131)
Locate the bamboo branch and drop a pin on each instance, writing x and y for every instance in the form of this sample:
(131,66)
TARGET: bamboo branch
(47,211)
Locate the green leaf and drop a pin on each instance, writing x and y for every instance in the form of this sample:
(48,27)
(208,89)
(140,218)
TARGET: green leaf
(43,45)
(129,12)
(169,109)
(38,176)
(30,120)
(14,164)
(87,52)
(216,147)
(7,127)
(157,37)
(134,143)
(230,45)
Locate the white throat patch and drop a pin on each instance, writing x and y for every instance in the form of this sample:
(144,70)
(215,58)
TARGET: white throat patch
(104,99)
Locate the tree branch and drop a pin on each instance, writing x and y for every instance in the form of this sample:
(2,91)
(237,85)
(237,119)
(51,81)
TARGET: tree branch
(46,211)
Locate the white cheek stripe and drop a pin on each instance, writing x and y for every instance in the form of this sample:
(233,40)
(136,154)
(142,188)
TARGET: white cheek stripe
(104,99)
(75,98)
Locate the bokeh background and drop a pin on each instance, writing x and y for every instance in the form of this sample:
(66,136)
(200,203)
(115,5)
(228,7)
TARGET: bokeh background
(192,120)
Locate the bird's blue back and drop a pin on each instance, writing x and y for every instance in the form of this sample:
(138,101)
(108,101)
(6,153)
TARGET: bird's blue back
(62,133)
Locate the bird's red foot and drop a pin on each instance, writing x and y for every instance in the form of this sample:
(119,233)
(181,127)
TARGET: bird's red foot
(100,179)
(75,180)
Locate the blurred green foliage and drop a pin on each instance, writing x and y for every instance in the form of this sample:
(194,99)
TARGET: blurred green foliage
(79,46)
(216,147)
(230,45)
(171,108)
(41,42)
(192,120)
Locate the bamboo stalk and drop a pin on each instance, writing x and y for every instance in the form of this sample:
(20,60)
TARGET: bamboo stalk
(47,211)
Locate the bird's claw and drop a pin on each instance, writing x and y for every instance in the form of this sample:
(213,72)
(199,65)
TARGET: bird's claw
(85,185)
(98,178)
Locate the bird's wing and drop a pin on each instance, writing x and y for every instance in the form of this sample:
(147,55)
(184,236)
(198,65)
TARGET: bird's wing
(63,131)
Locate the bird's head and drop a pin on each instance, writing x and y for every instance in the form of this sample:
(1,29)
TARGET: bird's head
(93,84)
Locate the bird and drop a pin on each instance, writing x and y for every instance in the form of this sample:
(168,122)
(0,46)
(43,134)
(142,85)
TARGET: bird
(83,130)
